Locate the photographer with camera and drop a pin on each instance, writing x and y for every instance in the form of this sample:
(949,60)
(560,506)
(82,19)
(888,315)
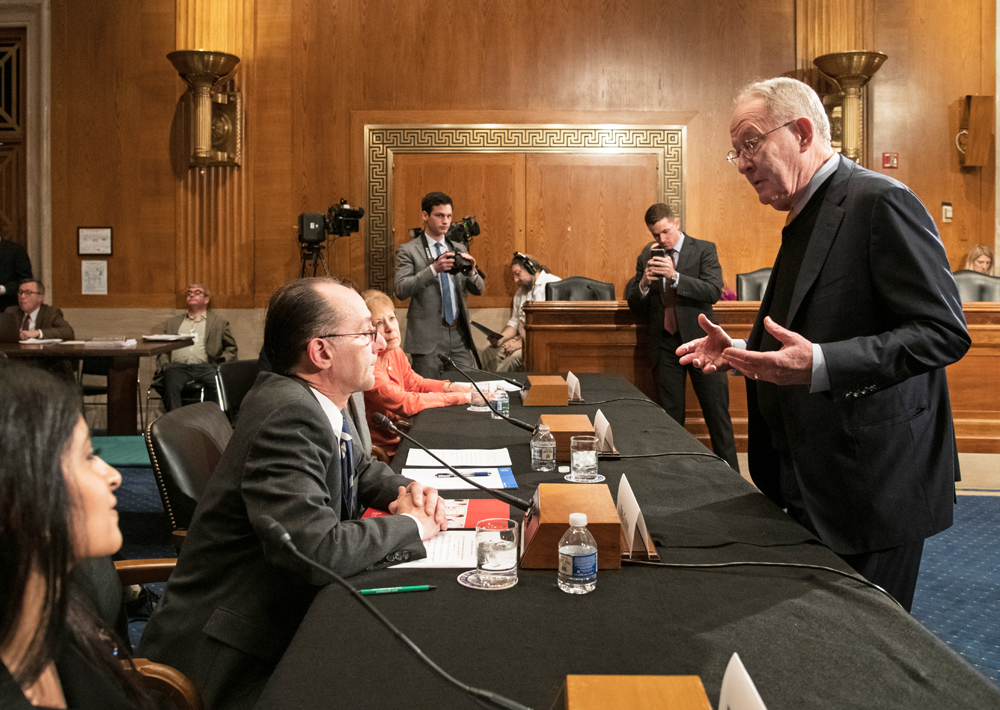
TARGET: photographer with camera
(434,271)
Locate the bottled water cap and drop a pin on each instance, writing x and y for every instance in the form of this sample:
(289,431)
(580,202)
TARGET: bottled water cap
(578,520)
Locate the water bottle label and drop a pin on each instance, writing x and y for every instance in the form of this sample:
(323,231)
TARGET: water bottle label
(547,453)
(578,566)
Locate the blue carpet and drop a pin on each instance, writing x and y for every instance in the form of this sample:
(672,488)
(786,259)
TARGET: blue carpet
(958,591)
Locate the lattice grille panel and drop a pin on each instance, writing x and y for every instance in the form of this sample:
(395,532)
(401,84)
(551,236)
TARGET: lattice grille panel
(10,85)
(381,142)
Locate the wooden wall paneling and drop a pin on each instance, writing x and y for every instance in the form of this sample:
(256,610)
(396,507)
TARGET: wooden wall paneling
(585,213)
(488,185)
(271,123)
(937,54)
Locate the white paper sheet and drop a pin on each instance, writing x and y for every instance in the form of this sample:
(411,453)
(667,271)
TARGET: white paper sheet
(738,691)
(451,548)
(459,458)
(42,341)
(573,385)
(436,478)
(494,384)
(602,428)
(630,515)
(166,337)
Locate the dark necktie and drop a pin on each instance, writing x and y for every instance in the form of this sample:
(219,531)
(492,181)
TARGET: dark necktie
(26,323)
(669,298)
(348,491)
(447,309)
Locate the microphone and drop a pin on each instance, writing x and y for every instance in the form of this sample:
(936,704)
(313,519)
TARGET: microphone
(382,422)
(451,363)
(276,539)
(516,422)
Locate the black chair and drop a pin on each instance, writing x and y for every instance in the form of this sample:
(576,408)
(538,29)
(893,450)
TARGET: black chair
(750,286)
(579,288)
(184,446)
(974,286)
(234,381)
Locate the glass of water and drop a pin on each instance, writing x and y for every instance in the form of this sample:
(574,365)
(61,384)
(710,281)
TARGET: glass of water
(481,406)
(583,460)
(496,553)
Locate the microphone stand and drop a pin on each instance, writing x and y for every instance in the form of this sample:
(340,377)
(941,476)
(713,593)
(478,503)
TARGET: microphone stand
(516,422)
(275,536)
(383,422)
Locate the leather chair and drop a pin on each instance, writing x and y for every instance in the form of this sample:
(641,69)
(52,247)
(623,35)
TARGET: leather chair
(751,285)
(579,288)
(235,380)
(184,446)
(974,286)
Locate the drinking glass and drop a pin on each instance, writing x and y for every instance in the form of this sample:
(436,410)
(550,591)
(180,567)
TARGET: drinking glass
(583,460)
(496,553)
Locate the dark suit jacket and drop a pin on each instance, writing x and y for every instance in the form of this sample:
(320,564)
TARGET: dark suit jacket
(699,286)
(417,281)
(875,456)
(220,346)
(15,267)
(50,321)
(232,606)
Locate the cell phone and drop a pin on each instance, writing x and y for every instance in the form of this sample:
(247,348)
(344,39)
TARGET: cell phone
(658,251)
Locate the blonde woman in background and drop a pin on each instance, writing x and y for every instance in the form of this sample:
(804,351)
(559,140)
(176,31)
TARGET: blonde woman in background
(979,259)
(399,391)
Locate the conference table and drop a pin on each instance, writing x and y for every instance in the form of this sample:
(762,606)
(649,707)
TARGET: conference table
(809,638)
(123,371)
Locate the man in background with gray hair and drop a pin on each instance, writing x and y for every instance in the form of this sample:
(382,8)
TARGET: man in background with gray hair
(850,426)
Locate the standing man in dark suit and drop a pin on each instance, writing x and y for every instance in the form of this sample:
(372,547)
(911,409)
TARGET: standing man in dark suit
(233,603)
(849,418)
(437,320)
(670,289)
(37,319)
(15,267)
(199,362)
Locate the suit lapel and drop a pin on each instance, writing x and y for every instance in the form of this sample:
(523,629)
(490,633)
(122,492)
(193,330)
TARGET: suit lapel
(831,214)
(688,255)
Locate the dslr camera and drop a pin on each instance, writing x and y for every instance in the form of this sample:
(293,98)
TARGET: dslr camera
(462,231)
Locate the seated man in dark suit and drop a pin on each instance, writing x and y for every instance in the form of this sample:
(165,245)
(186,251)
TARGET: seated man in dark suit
(36,319)
(298,455)
(213,345)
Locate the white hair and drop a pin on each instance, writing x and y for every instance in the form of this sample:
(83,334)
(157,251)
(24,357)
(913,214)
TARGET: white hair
(789,99)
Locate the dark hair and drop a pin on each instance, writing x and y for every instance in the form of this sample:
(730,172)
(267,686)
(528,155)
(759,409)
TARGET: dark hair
(528,263)
(296,314)
(41,286)
(38,414)
(432,200)
(657,212)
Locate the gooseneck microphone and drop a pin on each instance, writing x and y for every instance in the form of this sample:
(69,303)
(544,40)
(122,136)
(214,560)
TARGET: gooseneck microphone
(276,539)
(516,422)
(451,363)
(382,422)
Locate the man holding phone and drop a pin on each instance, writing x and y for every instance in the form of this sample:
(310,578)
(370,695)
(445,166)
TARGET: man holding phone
(676,278)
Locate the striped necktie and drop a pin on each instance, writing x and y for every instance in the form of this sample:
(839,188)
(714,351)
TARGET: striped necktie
(348,490)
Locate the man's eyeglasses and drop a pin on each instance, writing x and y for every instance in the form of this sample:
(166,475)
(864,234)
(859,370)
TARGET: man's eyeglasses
(195,292)
(29,293)
(749,146)
(370,336)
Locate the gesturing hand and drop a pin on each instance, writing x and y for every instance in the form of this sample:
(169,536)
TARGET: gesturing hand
(791,365)
(707,353)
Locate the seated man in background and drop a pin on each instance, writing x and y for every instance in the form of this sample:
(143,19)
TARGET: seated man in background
(36,319)
(199,362)
(398,390)
(298,456)
(504,353)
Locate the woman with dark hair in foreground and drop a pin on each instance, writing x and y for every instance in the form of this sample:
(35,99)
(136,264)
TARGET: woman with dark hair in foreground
(56,508)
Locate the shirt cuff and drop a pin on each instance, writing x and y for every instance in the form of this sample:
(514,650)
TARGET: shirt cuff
(420,528)
(820,372)
(643,291)
(739,343)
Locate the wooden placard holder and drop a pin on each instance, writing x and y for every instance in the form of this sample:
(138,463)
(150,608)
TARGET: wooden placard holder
(636,692)
(564,427)
(549,519)
(546,391)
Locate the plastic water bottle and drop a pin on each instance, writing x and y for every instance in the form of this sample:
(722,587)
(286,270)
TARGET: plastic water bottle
(577,557)
(502,402)
(543,449)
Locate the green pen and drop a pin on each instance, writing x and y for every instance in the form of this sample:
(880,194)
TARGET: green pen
(396,590)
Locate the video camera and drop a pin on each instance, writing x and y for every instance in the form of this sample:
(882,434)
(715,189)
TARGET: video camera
(340,220)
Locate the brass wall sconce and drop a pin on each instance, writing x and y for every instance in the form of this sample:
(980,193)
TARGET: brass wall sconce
(851,71)
(218,115)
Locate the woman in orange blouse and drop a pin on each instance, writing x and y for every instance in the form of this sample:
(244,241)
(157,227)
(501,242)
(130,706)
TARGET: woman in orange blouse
(399,391)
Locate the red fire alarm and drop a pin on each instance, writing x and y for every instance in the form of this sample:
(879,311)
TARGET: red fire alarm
(890,161)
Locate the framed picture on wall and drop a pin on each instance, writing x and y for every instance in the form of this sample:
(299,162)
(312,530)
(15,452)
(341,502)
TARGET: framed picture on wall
(93,241)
